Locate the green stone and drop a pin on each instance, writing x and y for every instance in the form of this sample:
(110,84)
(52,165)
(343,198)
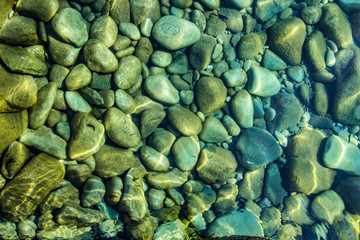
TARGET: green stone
(184,121)
(160,180)
(210,94)
(150,120)
(19,30)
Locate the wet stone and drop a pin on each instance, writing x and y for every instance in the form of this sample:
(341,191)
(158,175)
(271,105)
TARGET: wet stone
(79,77)
(42,10)
(235,77)
(127,72)
(315,48)
(156,198)
(262,82)
(63,130)
(26,229)
(99,58)
(104,29)
(273,62)
(273,188)
(21,196)
(154,160)
(160,180)
(91,96)
(161,58)
(174,230)
(161,89)
(179,64)
(311,14)
(161,141)
(112,161)
(264,9)
(327,206)
(184,121)
(210,94)
(225,199)
(200,200)
(113,193)
(185,152)
(349,189)
(355,23)
(43,139)
(320,98)
(242,109)
(213,131)
(145,9)
(249,46)
(19,30)
(215,26)
(271,220)
(296,209)
(201,51)
(62,53)
(76,215)
(8,230)
(233,19)
(93,192)
(76,102)
(77,174)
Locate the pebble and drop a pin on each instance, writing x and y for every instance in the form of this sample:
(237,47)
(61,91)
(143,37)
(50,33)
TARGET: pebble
(124,101)
(161,89)
(265,10)
(271,220)
(250,45)
(273,62)
(179,64)
(160,180)
(296,209)
(24,35)
(296,73)
(113,192)
(311,14)
(150,120)
(201,51)
(44,11)
(8,230)
(128,71)
(174,230)
(174,33)
(76,102)
(348,189)
(210,94)
(242,109)
(104,29)
(330,59)
(79,77)
(252,183)
(185,152)
(162,141)
(320,98)
(184,121)
(327,206)
(99,58)
(273,188)
(93,192)
(213,131)
(198,18)
(146,27)
(230,125)
(262,82)
(142,10)
(26,229)
(77,174)
(154,160)
(161,58)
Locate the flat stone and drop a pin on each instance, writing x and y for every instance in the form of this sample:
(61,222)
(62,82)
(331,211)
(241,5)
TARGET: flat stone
(242,109)
(76,102)
(121,129)
(154,160)
(198,18)
(327,206)
(79,77)
(99,58)
(185,152)
(156,198)
(320,98)
(296,209)
(273,187)
(262,82)
(150,120)
(21,196)
(253,157)
(213,131)
(19,30)
(92,96)
(113,193)
(79,216)
(171,179)
(88,136)
(296,73)
(184,121)
(216,164)
(342,155)
(6,7)
(174,33)
(43,139)
(265,9)
(335,25)
(311,14)
(210,94)
(162,141)
(42,10)
(349,190)
(39,113)
(286,38)
(315,48)
(215,26)
(144,9)
(71,27)
(93,192)
(168,230)
(62,53)
(127,73)
(201,51)
(161,89)
(120,11)
(251,185)
(273,62)
(104,29)
(302,171)
(249,46)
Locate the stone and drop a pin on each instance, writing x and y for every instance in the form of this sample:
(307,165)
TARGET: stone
(286,39)
(232,18)
(225,199)
(43,139)
(161,89)
(130,30)
(144,49)
(288,110)
(54,118)
(179,64)
(77,174)
(216,164)
(8,230)
(17,91)
(241,222)
(198,18)
(156,198)
(62,53)
(271,220)
(235,77)
(296,209)
(19,60)
(161,58)
(79,77)
(355,23)
(249,46)
(182,3)
(262,82)
(127,73)
(120,11)
(100,81)
(150,120)
(335,25)
(78,216)
(321,122)
(154,160)
(185,152)
(93,192)
(162,141)
(6,7)
(201,51)
(211,4)
(174,230)
(302,171)
(184,121)
(199,201)
(14,159)
(144,9)
(104,29)
(88,136)
(314,49)
(250,186)
(242,109)
(210,94)
(99,58)
(349,5)
(213,131)
(19,30)
(327,206)
(174,33)
(296,73)
(71,27)
(26,229)
(113,192)
(22,195)
(160,180)
(230,125)
(311,14)
(63,231)
(273,188)
(273,62)
(121,129)
(63,130)
(241,3)
(41,10)
(341,154)
(76,102)
(133,201)
(91,96)
(349,189)
(215,26)
(265,9)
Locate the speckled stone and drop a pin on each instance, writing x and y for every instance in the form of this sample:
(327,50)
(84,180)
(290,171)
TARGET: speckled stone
(161,89)
(210,94)
(150,120)
(19,30)
(99,58)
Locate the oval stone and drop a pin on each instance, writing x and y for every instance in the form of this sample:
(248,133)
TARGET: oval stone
(185,152)
(183,120)
(174,33)
(154,160)
(262,82)
(210,94)
(161,89)
(99,58)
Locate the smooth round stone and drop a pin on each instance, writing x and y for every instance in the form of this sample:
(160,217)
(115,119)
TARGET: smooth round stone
(335,25)
(216,164)
(213,131)
(340,154)
(311,15)
(26,229)
(184,121)
(130,30)
(271,220)
(179,64)
(185,152)
(79,77)
(272,61)
(296,73)
(121,129)
(349,190)
(161,141)
(168,230)
(161,89)
(156,198)
(71,27)
(113,192)
(140,10)
(104,29)
(198,18)
(286,38)
(210,94)
(330,59)
(251,185)
(76,102)
(225,199)
(296,209)
(150,120)
(161,58)
(350,5)
(127,73)
(146,27)
(124,101)
(327,206)
(187,96)
(249,46)
(240,4)
(160,180)
(262,82)
(42,10)
(201,51)
(174,33)
(93,192)
(77,174)
(112,161)
(154,160)
(315,48)
(99,58)
(320,98)
(19,30)
(211,4)
(230,125)
(242,108)
(235,77)
(182,3)
(253,156)
(62,53)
